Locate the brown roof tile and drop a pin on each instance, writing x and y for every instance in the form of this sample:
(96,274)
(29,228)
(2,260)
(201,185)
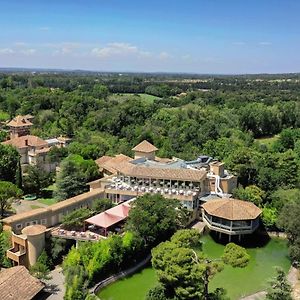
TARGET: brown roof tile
(159,173)
(111,163)
(19,121)
(17,284)
(20,142)
(144,146)
(232,209)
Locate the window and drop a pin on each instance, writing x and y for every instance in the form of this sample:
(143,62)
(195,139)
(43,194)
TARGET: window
(34,222)
(27,223)
(19,226)
(44,221)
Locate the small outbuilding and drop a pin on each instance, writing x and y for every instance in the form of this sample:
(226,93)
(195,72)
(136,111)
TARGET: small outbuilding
(231,216)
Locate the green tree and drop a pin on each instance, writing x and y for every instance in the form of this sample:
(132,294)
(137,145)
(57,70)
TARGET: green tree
(36,179)
(5,244)
(251,193)
(156,293)
(189,238)
(154,218)
(235,256)
(73,176)
(7,191)
(279,288)
(75,219)
(101,205)
(269,216)
(41,268)
(9,163)
(182,271)
(289,220)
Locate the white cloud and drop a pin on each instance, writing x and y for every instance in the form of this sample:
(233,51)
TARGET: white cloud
(6,51)
(28,51)
(119,49)
(63,48)
(164,55)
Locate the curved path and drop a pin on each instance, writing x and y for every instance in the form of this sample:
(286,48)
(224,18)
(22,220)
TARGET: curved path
(95,289)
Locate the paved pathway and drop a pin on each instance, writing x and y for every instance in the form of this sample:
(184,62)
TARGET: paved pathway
(55,286)
(199,226)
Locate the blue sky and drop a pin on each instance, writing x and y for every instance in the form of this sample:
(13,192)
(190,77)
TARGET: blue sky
(211,36)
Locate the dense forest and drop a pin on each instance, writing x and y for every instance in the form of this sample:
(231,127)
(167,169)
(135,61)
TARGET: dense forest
(252,123)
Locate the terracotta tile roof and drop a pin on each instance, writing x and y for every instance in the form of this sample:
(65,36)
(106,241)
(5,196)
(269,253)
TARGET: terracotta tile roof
(19,121)
(232,209)
(144,146)
(111,163)
(17,284)
(20,142)
(161,173)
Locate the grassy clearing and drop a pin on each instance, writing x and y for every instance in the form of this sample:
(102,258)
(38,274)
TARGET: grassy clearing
(144,97)
(268,141)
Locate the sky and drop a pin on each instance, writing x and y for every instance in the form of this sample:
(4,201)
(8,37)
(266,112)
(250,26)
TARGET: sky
(194,36)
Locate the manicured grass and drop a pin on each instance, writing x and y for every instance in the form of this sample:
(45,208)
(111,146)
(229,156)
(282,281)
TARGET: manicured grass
(47,201)
(133,287)
(253,278)
(236,281)
(34,206)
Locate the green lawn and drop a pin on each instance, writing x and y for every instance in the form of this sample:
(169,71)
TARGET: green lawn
(237,282)
(47,195)
(47,201)
(144,97)
(34,206)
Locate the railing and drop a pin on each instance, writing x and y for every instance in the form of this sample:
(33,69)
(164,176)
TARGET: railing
(229,228)
(14,254)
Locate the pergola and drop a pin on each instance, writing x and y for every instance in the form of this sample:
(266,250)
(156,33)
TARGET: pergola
(110,217)
(231,216)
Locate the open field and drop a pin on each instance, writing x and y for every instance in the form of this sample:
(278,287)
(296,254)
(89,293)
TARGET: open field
(144,97)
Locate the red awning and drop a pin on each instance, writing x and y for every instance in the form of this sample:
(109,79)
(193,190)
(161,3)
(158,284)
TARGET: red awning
(111,216)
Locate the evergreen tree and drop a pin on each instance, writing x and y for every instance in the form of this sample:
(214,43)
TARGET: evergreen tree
(279,288)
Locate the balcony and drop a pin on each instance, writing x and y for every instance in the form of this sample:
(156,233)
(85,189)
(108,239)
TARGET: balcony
(231,230)
(15,254)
